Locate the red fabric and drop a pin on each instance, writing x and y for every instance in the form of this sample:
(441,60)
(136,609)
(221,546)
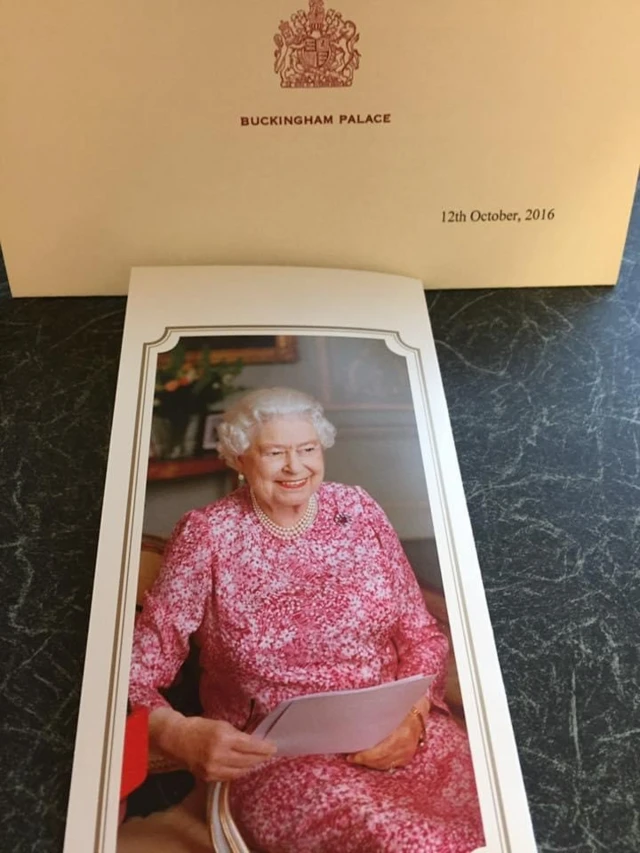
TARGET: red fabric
(135,760)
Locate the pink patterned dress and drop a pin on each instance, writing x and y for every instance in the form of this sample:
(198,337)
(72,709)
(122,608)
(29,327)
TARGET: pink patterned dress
(337,607)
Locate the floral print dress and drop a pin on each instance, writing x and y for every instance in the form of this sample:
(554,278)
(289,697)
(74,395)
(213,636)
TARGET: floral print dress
(337,607)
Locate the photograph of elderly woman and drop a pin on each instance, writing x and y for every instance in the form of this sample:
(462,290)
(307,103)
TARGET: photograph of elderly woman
(292,555)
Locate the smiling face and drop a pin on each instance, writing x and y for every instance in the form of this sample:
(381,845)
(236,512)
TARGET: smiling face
(284,465)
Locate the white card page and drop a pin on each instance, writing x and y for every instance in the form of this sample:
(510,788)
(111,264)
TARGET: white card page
(336,319)
(341,721)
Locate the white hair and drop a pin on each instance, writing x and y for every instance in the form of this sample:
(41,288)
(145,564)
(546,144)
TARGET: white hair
(238,427)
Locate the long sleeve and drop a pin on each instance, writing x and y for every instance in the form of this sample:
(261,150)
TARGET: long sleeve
(172,611)
(421,646)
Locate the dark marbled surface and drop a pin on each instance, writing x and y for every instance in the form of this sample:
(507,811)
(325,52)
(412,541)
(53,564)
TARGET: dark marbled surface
(544,395)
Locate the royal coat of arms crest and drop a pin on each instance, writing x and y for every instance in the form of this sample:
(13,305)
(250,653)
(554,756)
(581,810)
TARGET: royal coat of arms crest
(316,49)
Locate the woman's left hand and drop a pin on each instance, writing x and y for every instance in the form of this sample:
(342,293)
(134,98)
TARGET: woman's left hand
(397,749)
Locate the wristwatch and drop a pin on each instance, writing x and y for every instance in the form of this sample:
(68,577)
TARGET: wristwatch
(415,712)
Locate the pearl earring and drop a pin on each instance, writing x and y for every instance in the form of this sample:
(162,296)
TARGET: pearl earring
(241,479)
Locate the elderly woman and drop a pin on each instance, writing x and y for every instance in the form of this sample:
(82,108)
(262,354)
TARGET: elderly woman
(291,586)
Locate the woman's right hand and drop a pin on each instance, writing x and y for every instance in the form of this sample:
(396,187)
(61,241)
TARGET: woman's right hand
(213,750)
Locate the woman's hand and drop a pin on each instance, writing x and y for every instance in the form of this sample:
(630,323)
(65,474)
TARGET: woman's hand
(398,749)
(213,750)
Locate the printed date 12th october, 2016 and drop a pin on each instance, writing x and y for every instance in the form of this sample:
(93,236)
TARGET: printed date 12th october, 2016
(531,214)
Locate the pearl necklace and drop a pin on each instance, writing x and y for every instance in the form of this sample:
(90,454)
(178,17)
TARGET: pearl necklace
(303,523)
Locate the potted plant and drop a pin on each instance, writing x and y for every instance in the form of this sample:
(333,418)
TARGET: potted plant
(187,387)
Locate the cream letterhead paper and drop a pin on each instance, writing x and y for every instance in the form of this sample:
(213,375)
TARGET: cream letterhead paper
(467,144)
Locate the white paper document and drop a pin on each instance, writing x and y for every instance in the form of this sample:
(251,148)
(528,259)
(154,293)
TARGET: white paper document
(341,721)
